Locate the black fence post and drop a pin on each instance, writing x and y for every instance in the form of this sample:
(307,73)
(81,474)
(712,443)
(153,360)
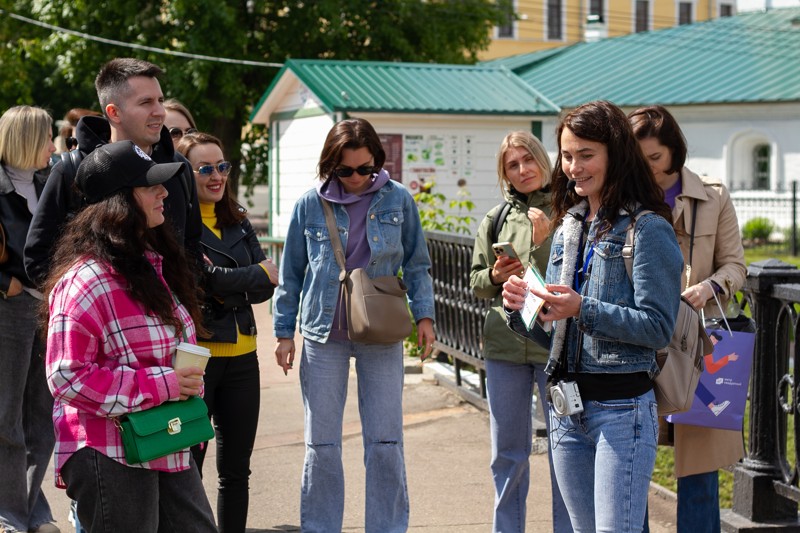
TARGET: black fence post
(794,218)
(755,500)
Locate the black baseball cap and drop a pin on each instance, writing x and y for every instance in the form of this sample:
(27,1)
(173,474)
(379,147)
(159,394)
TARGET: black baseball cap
(109,168)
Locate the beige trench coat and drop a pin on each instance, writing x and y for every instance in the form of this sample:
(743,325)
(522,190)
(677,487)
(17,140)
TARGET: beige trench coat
(718,255)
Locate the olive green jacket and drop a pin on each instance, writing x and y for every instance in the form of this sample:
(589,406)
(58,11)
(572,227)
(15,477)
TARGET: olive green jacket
(499,342)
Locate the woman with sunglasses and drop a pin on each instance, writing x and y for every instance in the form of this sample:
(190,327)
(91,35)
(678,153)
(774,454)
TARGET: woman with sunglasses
(380,230)
(237,275)
(179,120)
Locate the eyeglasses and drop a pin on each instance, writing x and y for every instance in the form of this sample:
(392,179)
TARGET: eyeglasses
(346,172)
(223,168)
(176,133)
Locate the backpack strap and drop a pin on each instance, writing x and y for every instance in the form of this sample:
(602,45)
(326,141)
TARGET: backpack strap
(71,161)
(497,224)
(627,248)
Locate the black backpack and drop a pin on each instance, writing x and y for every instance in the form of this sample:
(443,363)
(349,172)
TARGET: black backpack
(502,213)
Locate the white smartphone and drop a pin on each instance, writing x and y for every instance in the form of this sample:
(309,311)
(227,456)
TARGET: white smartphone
(504,248)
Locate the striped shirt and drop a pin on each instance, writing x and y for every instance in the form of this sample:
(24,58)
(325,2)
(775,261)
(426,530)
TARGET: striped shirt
(107,357)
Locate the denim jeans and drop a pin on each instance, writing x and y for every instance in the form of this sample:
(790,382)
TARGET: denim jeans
(27,437)
(324,372)
(116,498)
(232,393)
(510,389)
(604,458)
(698,503)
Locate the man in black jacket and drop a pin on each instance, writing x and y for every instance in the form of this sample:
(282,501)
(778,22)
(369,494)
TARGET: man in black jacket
(133,104)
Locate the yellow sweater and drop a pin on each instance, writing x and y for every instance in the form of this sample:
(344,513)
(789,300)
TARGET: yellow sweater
(244,343)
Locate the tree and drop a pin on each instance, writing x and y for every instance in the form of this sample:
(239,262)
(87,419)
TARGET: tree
(58,70)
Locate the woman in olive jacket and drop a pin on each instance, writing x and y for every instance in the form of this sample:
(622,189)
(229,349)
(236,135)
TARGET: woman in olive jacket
(514,364)
(717,266)
(237,275)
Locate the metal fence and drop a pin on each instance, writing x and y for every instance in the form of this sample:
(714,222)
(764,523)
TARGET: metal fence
(778,207)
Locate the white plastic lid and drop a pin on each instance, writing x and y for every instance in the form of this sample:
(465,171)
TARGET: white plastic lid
(195,349)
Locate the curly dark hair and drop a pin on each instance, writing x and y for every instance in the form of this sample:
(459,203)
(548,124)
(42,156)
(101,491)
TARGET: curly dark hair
(629,179)
(114,232)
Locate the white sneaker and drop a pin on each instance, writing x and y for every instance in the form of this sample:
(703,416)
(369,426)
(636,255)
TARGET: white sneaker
(717,409)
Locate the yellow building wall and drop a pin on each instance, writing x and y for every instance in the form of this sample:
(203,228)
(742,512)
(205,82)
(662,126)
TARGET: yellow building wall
(530,31)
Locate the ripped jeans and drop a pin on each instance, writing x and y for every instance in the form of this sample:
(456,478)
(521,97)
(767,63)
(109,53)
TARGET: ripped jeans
(324,374)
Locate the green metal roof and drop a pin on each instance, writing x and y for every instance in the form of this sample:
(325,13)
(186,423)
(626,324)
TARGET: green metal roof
(751,57)
(370,86)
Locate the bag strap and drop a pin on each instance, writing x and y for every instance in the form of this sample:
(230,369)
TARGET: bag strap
(691,242)
(2,243)
(497,224)
(336,241)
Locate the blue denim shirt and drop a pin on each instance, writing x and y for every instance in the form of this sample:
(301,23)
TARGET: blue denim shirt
(622,321)
(309,275)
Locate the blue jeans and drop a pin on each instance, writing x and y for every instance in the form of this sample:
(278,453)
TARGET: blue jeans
(27,437)
(117,498)
(604,458)
(698,503)
(232,394)
(510,389)
(324,372)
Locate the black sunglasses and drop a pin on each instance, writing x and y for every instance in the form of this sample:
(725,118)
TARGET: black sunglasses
(206,170)
(346,172)
(177,133)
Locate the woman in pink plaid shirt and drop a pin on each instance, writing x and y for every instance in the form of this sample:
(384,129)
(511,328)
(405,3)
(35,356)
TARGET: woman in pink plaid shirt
(121,297)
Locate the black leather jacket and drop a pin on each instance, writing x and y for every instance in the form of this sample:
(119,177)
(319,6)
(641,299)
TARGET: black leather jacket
(16,219)
(234,282)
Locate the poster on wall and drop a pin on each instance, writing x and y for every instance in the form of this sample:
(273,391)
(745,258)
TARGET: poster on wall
(437,158)
(393,146)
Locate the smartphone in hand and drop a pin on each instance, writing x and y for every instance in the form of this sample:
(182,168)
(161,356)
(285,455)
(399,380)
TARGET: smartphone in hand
(504,249)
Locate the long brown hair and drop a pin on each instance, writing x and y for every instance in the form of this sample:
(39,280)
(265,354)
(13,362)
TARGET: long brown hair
(114,232)
(629,179)
(228,211)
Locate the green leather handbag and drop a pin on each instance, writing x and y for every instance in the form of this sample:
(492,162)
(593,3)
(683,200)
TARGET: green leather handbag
(164,429)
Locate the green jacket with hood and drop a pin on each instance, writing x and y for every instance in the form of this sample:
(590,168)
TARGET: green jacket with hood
(499,342)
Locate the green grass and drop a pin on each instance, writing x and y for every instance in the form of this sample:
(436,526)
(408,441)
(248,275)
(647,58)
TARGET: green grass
(663,474)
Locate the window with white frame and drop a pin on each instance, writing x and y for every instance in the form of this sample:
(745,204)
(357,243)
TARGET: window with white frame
(506,30)
(726,10)
(761,170)
(642,22)
(684,13)
(554,20)
(596,9)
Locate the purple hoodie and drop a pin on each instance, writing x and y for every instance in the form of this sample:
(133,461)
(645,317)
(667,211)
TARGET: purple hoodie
(357,252)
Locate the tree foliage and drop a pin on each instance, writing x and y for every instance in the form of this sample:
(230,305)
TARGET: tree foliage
(56,70)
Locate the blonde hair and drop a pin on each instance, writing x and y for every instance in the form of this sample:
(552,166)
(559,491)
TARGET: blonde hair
(24,132)
(523,139)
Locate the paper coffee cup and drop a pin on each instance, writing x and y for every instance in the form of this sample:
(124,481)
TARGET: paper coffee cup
(191,355)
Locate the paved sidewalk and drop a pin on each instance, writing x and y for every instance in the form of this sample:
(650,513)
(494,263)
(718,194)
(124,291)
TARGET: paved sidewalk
(447,452)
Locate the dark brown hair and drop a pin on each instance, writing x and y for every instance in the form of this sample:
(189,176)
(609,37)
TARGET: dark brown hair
(353,134)
(114,232)
(656,121)
(111,82)
(603,122)
(228,211)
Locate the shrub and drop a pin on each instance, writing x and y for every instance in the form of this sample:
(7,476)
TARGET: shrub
(757,230)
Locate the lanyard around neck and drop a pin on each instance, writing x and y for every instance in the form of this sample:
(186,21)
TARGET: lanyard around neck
(582,271)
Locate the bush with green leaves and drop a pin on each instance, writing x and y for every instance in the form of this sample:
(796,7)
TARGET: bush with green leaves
(757,230)
(433,215)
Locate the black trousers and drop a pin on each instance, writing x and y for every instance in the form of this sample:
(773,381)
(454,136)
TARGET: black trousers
(232,394)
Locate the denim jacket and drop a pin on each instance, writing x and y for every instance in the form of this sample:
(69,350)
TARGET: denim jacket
(309,275)
(622,321)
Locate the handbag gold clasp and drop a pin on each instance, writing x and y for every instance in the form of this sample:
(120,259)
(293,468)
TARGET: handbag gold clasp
(174,426)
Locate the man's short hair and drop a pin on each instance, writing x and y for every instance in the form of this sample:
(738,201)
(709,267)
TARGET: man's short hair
(112,80)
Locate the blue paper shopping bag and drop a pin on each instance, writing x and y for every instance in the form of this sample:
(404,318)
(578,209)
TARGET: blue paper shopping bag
(721,394)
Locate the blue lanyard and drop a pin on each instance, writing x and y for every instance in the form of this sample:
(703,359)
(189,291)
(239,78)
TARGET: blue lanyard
(582,272)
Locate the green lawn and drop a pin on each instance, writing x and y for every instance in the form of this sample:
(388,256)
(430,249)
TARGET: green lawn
(663,472)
